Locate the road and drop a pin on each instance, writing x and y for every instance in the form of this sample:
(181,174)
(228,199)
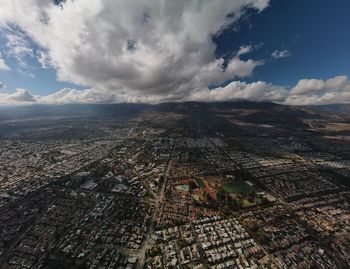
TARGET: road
(158,203)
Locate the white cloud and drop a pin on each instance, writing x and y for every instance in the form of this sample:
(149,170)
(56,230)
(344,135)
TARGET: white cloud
(279,54)
(317,91)
(214,73)
(159,47)
(44,60)
(244,50)
(20,96)
(305,92)
(145,51)
(17,45)
(256,91)
(3,65)
(306,86)
(88,96)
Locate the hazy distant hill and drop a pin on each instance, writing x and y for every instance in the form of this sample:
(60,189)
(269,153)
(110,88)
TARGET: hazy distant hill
(257,112)
(336,108)
(202,106)
(71,110)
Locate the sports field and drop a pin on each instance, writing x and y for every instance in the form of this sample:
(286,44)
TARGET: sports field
(238,187)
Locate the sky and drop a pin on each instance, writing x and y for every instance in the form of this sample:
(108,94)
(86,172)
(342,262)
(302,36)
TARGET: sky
(293,52)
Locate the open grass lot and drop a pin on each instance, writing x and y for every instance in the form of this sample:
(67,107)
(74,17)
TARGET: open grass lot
(237,187)
(200,183)
(246,203)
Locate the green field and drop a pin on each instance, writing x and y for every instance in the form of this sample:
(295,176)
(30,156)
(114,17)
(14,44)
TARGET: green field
(238,187)
(246,203)
(200,183)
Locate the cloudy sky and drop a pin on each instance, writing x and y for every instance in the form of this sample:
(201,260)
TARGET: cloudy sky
(109,51)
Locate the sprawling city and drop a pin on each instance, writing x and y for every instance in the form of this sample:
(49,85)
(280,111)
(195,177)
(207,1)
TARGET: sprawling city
(174,134)
(187,185)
